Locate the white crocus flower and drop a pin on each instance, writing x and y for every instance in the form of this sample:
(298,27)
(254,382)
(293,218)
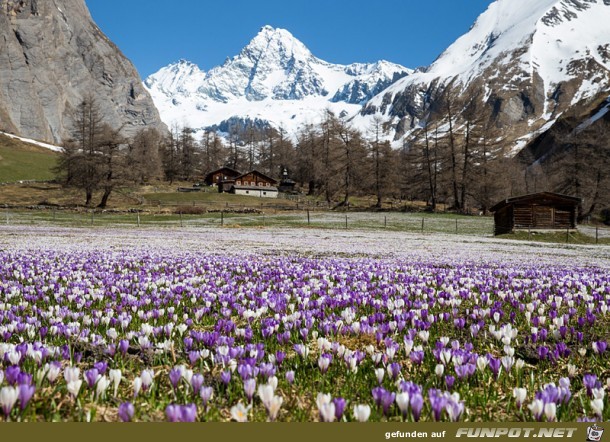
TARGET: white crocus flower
(115,376)
(402,400)
(482,363)
(362,413)
(550,411)
(265,393)
(74,387)
(102,385)
(322,399)
(597,405)
(327,412)
(137,385)
(71,374)
(8,397)
(380,373)
(273,381)
(520,394)
(239,412)
(274,407)
(439,370)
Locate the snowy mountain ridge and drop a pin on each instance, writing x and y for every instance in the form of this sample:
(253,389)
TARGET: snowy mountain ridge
(530,62)
(274,78)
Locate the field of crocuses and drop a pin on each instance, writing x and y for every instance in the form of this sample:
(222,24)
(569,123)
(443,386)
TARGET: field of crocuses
(311,325)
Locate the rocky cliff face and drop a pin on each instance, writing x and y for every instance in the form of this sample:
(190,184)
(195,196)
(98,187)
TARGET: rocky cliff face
(52,55)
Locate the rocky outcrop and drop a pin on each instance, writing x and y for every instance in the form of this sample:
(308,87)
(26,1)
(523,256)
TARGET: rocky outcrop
(52,55)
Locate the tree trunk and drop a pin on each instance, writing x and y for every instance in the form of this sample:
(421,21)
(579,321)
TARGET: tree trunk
(104,201)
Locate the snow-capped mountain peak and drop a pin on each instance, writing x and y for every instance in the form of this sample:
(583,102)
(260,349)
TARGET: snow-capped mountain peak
(274,64)
(275,78)
(182,77)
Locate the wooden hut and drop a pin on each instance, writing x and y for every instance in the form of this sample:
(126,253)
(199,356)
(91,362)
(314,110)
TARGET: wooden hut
(255,183)
(221,175)
(539,211)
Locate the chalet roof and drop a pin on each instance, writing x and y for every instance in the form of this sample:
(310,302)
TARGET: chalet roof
(256,172)
(230,171)
(548,198)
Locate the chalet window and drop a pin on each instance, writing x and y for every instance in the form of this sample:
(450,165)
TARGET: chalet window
(248,192)
(264,193)
(253,183)
(268,185)
(261,184)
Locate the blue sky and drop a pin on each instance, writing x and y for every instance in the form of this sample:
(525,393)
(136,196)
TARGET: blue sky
(154,33)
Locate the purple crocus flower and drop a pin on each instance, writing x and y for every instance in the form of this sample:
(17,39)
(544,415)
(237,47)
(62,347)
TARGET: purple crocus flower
(377,393)
(462,371)
(417,357)
(600,346)
(438,401)
(126,411)
(494,365)
(417,403)
(340,404)
(188,413)
(24,378)
(245,371)
(123,346)
(11,374)
(449,381)
(175,374)
(591,382)
(197,382)
(386,400)
(173,413)
(194,357)
(225,377)
(26,391)
(206,394)
(101,367)
(394,369)
(543,352)
(92,377)
(290,377)
(267,370)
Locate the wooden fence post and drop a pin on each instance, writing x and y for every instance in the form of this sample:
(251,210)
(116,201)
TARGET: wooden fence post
(597,235)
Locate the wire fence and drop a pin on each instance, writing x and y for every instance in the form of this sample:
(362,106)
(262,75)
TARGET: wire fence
(391,221)
(296,218)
